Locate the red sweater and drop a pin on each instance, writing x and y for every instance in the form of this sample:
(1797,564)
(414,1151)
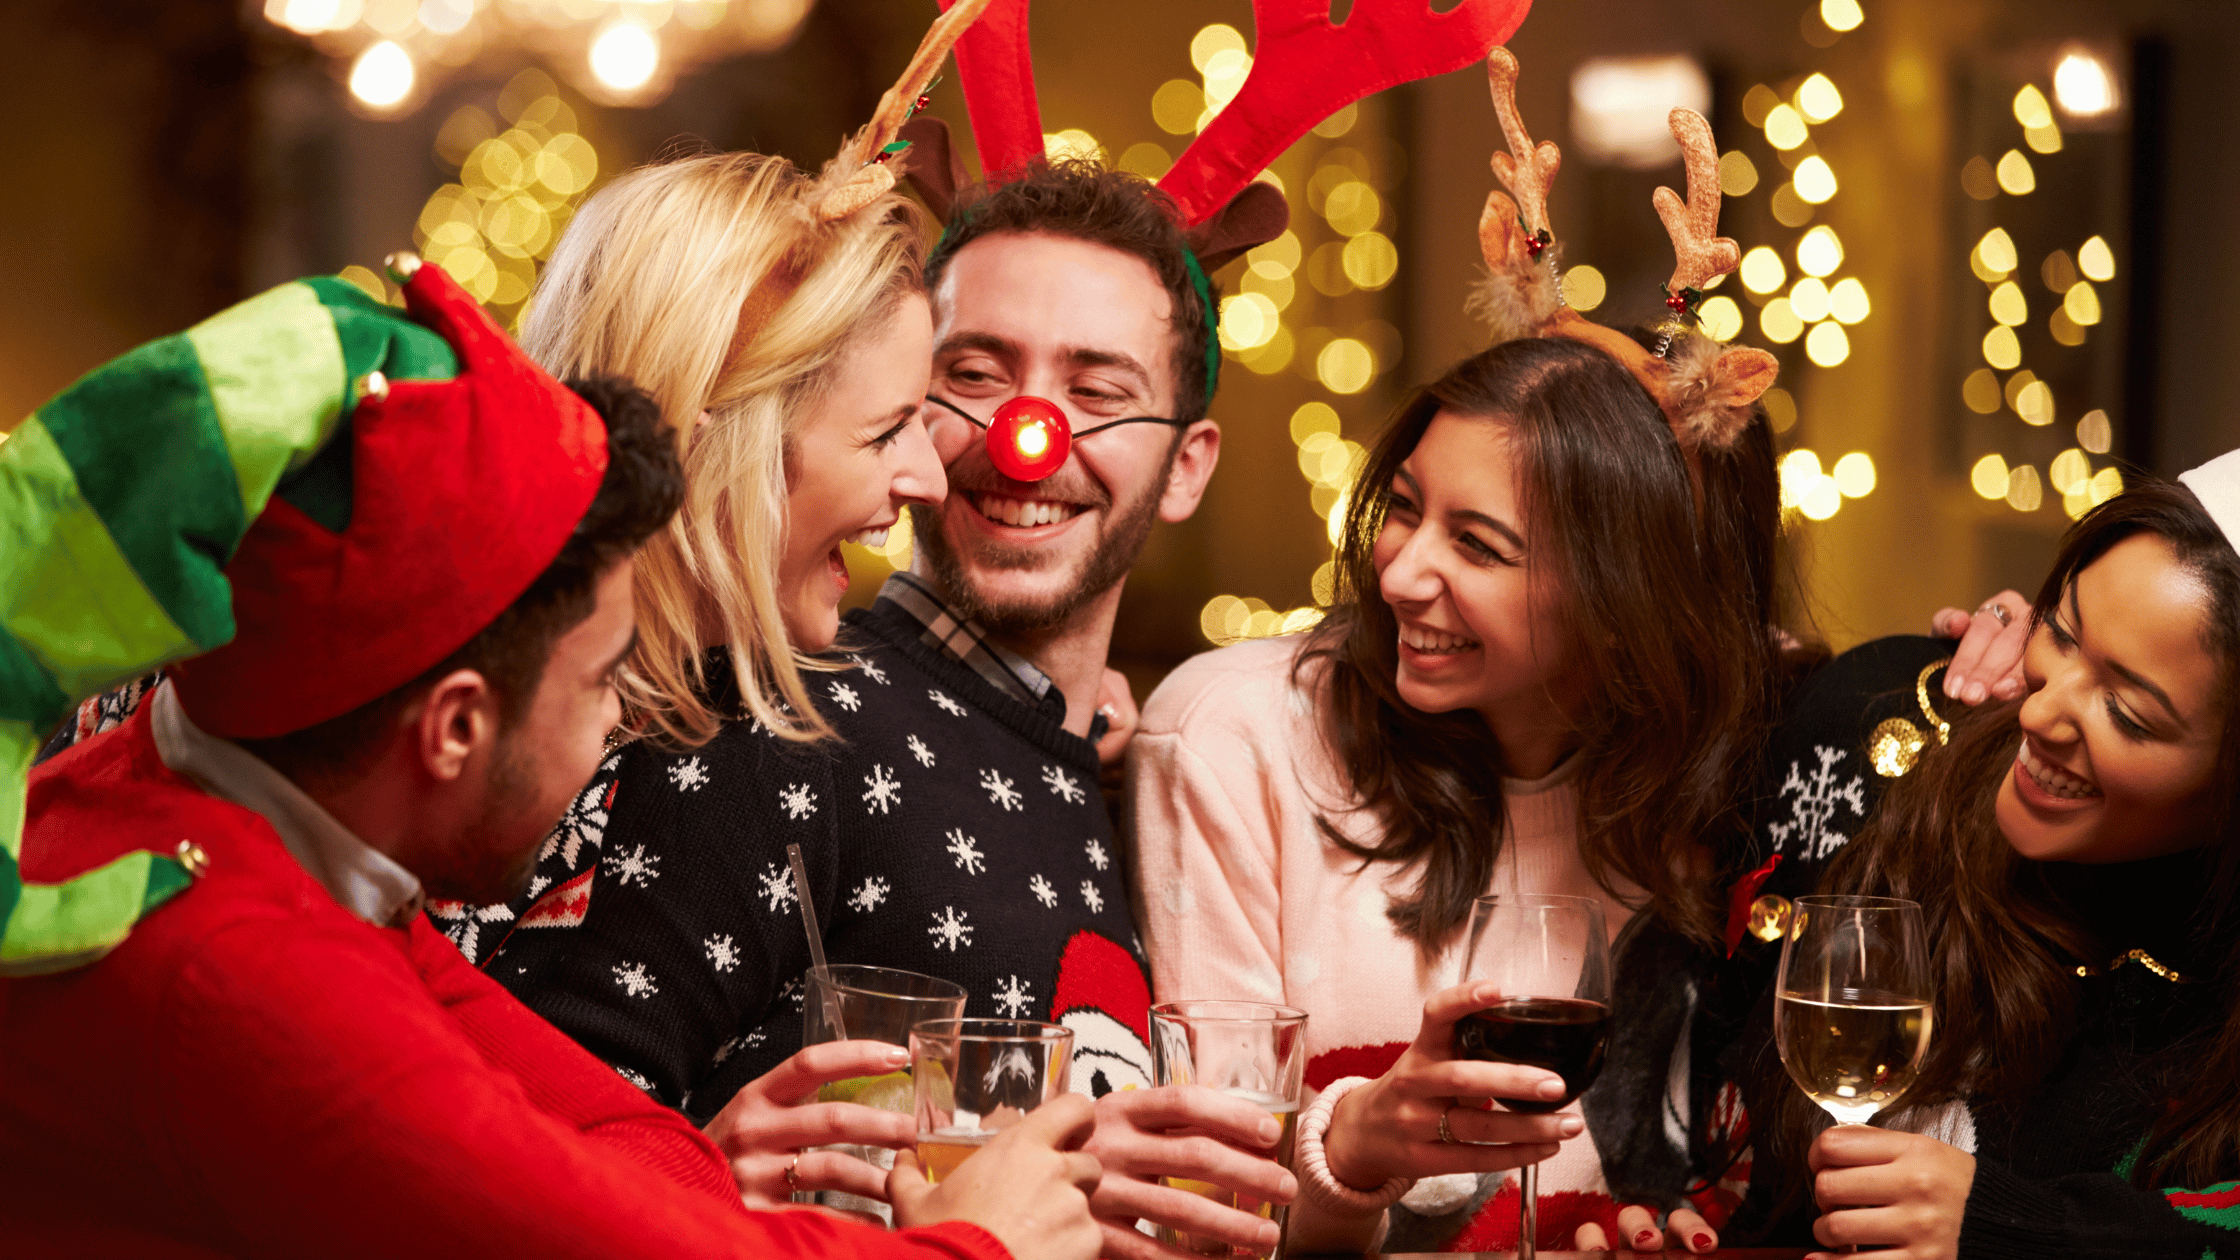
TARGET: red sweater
(256,1072)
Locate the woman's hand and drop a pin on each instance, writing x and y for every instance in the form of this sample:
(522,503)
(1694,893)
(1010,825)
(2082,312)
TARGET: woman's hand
(1192,1133)
(1390,1127)
(1637,1231)
(1889,1189)
(766,1125)
(1987,664)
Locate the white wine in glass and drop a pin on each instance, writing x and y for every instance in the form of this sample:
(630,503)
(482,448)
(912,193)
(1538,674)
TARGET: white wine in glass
(1851,1009)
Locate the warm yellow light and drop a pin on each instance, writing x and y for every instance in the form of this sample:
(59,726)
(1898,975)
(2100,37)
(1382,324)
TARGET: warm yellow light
(2034,403)
(1848,301)
(1997,252)
(1976,179)
(1274,356)
(1353,208)
(1989,476)
(1785,128)
(1146,159)
(1789,210)
(2094,433)
(1820,252)
(1800,471)
(2082,304)
(2064,329)
(1334,526)
(2002,349)
(2008,306)
(1176,106)
(2105,485)
(2046,139)
(1779,322)
(1822,499)
(1324,584)
(307,17)
(1737,173)
(1370,260)
(2070,471)
(1584,288)
(1815,180)
(1758,103)
(1762,271)
(1217,38)
(1827,344)
(382,75)
(1808,297)
(2024,492)
(1073,143)
(1214,619)
(1277,286)
(1345,366)
(2030,108)
(1248,320)
(567,164)
(1721,318)
(1313,418)
(2096,260)
(624,56)
(1818,100)
(2014,173)
(1841,15)
(1781,409)
(1339,123)
(1854,475)
(1278,257)
(1981,391)
(2083,86)
(1032,440)
(1225,73)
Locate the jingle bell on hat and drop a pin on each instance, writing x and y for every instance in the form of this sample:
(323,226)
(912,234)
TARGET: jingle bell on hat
(1029,438)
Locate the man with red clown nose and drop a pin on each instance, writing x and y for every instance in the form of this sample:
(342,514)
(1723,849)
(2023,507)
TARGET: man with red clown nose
(394,559)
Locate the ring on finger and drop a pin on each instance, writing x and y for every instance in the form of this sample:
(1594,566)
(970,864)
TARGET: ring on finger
(1999,611)
(791,1183)
(1445,1134)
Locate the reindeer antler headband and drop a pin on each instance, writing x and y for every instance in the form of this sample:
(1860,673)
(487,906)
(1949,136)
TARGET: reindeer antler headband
(1706,390)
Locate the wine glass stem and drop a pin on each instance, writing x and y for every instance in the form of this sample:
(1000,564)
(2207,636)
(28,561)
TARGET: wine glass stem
(1528,1211)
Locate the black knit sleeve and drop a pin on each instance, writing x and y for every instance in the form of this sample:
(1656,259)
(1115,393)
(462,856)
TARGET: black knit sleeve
(2094,1215)
(691,932)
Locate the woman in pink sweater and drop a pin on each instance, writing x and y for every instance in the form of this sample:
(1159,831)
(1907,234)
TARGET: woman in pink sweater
(1551,669)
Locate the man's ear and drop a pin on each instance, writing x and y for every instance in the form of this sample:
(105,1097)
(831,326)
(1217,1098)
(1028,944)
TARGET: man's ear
(455,723)
(1193,468)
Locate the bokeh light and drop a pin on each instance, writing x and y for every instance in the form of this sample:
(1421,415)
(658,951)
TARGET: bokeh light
(1345,366)
(2084,86)
(1820,252)
(624,56)
(2016,178)
(1818,100)
(1841,15)
(1847,301)
(2025,493)
(1827,345)
(1370,260)
(2094,433)
(1785,128)
(1808,297)
(2096,260)
(1989,477)
(1720,318)
(1762,270)
(1854,475)
(1584,288)
(2070,470)
(1779,322)
(2008,306)
(1738,175)
(2002,349)
(383,75)
(1815,180)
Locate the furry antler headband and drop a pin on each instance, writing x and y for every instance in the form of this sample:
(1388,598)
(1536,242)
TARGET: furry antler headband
(1706,390)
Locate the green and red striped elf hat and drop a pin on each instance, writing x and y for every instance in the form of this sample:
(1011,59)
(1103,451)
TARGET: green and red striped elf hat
(313,495)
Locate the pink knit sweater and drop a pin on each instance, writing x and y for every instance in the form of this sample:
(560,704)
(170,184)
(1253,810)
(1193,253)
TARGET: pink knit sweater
(1242,897)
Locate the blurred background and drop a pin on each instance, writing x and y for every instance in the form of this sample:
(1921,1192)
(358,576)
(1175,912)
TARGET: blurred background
(1985,237)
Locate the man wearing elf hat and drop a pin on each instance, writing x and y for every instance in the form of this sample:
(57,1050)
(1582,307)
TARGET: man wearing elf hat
(394,558)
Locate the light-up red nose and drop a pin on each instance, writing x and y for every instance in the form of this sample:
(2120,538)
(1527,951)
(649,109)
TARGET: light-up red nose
(1029,438)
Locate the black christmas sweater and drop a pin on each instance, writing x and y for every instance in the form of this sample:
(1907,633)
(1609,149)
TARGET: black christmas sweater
(951,830)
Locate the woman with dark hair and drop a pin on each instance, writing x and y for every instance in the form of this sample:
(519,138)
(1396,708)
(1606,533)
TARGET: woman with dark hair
(2077,857)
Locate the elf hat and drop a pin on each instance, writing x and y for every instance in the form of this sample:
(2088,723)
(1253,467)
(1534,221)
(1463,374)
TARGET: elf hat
(190,498)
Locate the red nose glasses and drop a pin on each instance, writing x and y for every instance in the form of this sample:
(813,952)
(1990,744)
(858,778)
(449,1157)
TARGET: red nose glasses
(1030,437)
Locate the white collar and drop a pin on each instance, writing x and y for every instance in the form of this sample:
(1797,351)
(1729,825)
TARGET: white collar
(367,882)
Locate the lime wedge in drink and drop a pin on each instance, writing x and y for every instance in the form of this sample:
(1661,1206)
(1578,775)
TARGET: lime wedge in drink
(854,1088)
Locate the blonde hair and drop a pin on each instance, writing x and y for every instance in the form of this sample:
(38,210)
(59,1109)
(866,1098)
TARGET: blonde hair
(709,284)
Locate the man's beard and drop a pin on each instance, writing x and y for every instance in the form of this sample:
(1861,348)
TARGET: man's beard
(495,858)
(1119,541)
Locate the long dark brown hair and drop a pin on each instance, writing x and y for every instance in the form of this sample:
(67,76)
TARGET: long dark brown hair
(1668,612)
(2005,943)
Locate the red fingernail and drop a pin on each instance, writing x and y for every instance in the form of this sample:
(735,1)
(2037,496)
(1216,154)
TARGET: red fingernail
(1646,1240)
(1702,1242)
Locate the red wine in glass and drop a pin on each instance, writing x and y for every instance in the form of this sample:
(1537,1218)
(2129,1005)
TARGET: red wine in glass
(1567,1036)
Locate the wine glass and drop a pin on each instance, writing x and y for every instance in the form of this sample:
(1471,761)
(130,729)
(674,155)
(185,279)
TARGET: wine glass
(1550,957)
(1851,1008)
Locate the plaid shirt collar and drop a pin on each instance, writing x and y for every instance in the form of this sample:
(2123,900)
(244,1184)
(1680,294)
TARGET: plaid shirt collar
(943,627)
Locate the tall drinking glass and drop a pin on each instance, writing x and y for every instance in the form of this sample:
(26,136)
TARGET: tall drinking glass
(870,1004)
(977,1077)
(1550,956)
(1249,1050)
(1851,1008)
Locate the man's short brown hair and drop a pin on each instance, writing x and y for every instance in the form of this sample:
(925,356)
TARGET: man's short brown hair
(1083,200)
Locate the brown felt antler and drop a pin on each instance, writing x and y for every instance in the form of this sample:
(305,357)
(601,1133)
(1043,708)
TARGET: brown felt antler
(1518,297)
(857,176)
(1701,254)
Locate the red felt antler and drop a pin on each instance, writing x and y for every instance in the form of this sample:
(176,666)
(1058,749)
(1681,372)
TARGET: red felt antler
(996,70)
(1306,68)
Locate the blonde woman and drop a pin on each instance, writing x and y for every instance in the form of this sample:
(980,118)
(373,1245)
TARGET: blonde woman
(792,352)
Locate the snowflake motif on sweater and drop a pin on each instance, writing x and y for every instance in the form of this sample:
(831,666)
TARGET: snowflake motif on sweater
(635,1078)
(689,775)
(1063,786)
(1814,799)
(636,865)
(586,819)
(1091,897)
(870,894)
(946,705)
(777,887)
(467,921)
(1013,998)
(797,801)
(919,750)
(870,671)
(1097,856)
(966,851)
(1044,892)
(845,696)
(949,929)
(635,980)
(882,791)
(999,790)
(722,952)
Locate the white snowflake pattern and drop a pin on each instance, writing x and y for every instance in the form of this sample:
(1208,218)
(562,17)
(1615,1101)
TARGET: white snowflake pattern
(919,750)
(777,887)
(1063,785)
(636,865)
(947,705)
(792,992)
(1043,892)
(689,775)
(1091,897)
(1817,795)
(966,851)
(467,921)
(870,894)
(745,1041)
(722,952)
(635,1078)
(870,671)
(635,980)
(797,801)
(538,885)
(585,822)
(1012,997)
(999,790)
(845,696)
(1097,856)
(949,929)
(882,790)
